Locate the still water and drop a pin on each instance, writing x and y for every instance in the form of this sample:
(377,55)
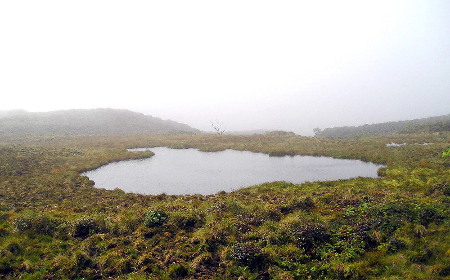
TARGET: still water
(189,171)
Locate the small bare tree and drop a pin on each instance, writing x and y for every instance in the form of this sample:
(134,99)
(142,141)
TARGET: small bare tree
(218,127)
(317,131)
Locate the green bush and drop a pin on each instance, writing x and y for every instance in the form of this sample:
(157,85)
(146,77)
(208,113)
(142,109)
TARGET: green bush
(305,204)
(381,172)
(396,245)
(3,231)
(309,236)
(7,264)
(393,215)
(446,153)
(178,271)
(248,254)
(14,248)
(84,227)
(421,257)
(216,238)
(81,260)
(189,221)
(155,218)
(428,214)
(36,223)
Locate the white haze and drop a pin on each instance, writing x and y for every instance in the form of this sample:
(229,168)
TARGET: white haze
(290,65)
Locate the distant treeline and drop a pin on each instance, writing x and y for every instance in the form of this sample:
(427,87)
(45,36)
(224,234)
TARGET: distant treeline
(425,125)
(86,122)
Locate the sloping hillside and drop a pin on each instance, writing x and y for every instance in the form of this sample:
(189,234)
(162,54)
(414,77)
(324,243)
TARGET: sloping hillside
(433,124)
(87,122)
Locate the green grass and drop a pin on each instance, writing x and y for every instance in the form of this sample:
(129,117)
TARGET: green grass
(55,225)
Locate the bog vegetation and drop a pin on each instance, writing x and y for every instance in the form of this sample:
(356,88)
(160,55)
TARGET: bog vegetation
(54,224)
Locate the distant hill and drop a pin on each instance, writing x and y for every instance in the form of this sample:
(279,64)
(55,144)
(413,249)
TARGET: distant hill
(432,124)
(12,113)
(246,132)
(86,122)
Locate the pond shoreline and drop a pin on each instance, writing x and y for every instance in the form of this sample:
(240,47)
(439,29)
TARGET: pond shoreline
(191,171)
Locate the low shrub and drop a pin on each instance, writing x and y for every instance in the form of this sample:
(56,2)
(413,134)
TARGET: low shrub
(7,264)
(442,188)
(81,260)
(84,227)
(396,245)
(216,238)
(271,214)
(421,257)
(3,231)
(13,247)
(309,236)
(428,214)
(127,222)
(381,172)
(364,232)
(391,216)
(178,271)
(155,218)
(248,254)
(446,153)
(302,204)
(124,266)
(281,154)
(36,223)
(189,221)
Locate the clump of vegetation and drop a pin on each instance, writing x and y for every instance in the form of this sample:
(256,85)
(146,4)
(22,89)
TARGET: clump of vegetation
(188,221)
(248,254)
(155,218)
(178,271)
(446,153)
(309,236)
(36,223)
(85,227)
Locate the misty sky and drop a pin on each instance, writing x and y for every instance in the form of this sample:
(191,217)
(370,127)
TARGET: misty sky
(291,65)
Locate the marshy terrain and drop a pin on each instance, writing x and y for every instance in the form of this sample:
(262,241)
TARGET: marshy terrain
(54,224)
(225,140)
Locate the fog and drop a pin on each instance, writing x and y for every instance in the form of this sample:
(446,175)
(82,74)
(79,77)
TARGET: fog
(289,65)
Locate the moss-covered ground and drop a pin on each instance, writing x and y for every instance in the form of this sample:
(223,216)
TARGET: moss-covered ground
(54,224)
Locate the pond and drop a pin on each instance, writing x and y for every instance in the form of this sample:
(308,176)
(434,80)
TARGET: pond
(189,171)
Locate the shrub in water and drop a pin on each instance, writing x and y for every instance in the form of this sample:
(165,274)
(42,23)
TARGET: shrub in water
(155,218)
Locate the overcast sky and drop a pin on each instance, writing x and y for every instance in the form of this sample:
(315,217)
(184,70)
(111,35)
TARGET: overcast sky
(291,65)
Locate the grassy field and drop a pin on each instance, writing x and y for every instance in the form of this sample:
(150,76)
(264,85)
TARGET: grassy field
(55,225)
